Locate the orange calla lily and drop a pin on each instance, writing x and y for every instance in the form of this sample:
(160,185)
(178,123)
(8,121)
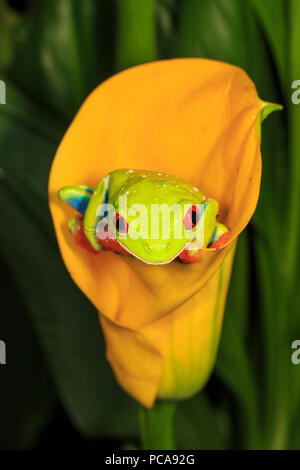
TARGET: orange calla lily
(192,118)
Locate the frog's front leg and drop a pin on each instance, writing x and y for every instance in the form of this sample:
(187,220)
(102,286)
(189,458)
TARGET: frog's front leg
(86,201)
(87,226)
(220,236)
(75,226)
(211,234)
(79,198)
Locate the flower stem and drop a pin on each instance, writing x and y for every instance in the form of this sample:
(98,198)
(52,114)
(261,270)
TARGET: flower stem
(157,426)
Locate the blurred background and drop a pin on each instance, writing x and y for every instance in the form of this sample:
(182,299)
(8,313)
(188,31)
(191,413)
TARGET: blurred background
(57,390)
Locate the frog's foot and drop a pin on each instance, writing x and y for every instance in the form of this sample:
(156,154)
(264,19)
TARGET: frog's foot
(220,236)
(76,196)
(79,197)
(190,256)
(75,226)
(107,240)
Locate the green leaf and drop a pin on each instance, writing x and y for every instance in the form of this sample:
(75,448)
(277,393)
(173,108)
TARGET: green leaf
(201,425)
(168,12)
(234,365)
(274,19)
(293,227)
(9,21)
(28,396)
(62,55)
(66,323)
(228,30)
(275,347)
(136,26)
(65,49)
(29,137)
(291,253)
(217,29)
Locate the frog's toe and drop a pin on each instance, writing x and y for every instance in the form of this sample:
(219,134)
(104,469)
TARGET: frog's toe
(221,241)
(76,196)
(220,236)
(75,226)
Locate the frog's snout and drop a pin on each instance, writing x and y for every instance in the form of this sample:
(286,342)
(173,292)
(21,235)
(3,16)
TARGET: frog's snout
(157,246)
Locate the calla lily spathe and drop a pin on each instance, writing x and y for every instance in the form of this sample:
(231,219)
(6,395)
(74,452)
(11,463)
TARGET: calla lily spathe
(193,118)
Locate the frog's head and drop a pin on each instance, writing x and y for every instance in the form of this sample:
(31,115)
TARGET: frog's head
(149,219)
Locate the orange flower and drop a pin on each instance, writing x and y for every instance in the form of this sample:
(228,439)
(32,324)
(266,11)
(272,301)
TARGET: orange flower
(193,118)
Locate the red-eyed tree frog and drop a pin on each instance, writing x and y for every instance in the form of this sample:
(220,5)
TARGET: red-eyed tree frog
(152,216)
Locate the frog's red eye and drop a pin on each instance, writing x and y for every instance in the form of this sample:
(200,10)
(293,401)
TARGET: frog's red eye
(120,224)
(191,218)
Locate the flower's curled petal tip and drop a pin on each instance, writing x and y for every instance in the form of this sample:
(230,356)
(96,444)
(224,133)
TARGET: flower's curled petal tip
(268,108)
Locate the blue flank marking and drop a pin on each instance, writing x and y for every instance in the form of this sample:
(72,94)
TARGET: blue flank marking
(213,237)
(203,207)
(106,196)
(79,203)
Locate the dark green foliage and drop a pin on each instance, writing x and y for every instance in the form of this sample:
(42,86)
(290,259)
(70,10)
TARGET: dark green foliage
(51,57)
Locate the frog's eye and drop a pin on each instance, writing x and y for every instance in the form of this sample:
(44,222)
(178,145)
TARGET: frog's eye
(191,218)
(120,224)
